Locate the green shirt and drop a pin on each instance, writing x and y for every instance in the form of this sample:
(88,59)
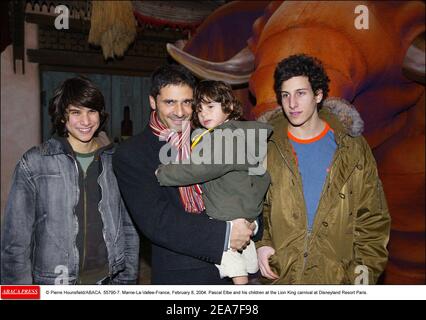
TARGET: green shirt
(85,159)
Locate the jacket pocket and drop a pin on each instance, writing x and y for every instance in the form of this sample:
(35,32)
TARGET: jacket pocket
(273,264)
(326,271)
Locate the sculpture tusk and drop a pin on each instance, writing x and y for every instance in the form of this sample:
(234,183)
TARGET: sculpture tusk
(413,66)
(236,70)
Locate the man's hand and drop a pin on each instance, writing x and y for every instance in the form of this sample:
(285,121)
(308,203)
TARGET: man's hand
(263,254)
(241,232)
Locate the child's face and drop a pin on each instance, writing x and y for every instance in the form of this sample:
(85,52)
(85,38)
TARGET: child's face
(211,114)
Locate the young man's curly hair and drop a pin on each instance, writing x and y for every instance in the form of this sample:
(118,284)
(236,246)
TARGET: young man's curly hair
(301,65)
(215,91)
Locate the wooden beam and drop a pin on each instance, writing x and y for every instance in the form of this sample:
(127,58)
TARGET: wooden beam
(45,20)
(83,26)
(93,61)
(84,70)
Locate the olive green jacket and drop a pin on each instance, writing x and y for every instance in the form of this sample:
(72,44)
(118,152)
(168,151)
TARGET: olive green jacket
(230,191)
(348,241)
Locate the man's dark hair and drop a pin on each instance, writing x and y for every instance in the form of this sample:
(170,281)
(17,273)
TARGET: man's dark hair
(170,74)
(215,91)
(301,65)
(79,92)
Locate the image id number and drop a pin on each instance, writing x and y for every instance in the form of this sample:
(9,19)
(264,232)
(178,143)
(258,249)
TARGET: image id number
(240,309)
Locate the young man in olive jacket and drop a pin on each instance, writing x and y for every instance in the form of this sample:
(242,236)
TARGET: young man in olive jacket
(326,218)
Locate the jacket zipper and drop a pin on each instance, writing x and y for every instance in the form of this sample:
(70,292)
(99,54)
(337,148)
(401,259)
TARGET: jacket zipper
(85,221)
(305,252)
(76,220)
(327,181)
(310,234)
(102,217)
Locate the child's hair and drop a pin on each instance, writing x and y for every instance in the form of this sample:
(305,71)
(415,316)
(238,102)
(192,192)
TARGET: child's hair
(215,91)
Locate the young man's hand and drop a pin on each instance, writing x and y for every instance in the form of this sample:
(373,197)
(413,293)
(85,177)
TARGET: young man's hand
(241,232)
(263,254)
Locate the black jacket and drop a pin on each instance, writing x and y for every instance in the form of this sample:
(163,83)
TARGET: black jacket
(185,246)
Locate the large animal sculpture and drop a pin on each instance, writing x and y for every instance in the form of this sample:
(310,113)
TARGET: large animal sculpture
(380,68)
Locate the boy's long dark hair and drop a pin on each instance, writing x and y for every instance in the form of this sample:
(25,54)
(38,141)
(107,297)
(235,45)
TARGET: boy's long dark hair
(79,92)
(215,91)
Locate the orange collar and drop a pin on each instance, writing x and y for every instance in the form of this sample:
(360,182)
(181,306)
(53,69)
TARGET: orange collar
(306,141)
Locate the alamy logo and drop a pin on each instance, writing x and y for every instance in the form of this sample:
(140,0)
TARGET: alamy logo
(361,21)
(224,146)
(362,272)
(62,20)
(62,278)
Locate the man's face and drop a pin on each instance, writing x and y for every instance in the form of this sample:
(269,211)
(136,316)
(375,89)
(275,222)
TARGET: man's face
(81,125)
(299,102)
(173,105)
